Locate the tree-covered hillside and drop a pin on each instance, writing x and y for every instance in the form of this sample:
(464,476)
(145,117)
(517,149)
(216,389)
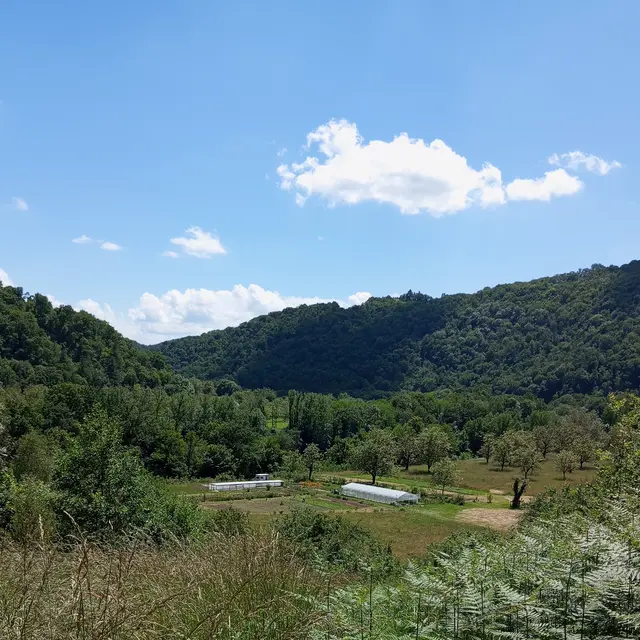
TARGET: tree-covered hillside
(41,344)
(573,333)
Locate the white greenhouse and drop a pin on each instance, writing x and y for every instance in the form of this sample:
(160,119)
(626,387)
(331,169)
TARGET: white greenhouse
(244,484)
(377,494)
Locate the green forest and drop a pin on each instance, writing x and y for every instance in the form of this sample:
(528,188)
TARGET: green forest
(474,402)
(572,333)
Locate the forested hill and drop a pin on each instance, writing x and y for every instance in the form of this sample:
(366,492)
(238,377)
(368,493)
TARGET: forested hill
(572,333)
(40,344)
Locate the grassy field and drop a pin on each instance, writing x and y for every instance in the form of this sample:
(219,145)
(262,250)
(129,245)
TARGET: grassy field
(480,475)
(477,478)
(278,505)
(409,530)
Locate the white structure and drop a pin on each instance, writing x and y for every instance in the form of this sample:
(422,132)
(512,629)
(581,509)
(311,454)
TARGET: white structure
(261,476)
(244,484)
(377,494)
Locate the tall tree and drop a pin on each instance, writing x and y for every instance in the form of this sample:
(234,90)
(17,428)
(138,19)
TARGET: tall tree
(433,445)
(565,462)
(503,450)
(312,456)
(445,473)
(545,438)
(375,454)
(488,446)
(406,444)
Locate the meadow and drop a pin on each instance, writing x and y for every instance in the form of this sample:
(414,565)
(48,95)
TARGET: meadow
(407,530)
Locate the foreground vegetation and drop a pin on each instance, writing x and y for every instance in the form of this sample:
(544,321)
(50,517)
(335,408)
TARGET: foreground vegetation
(570,571)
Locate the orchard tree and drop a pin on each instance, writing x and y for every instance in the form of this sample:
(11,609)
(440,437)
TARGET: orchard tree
(503,450)
(584,449)
(565,462)
(433,446)
(527,459)
(375,454)
(544,435)
(445,473)
(312,456)
(488,446)
(406,444)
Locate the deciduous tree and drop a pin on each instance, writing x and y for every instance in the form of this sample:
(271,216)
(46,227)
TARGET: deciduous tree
(433,445)
(565,462)
(312,456)
(445,473)
(375,454)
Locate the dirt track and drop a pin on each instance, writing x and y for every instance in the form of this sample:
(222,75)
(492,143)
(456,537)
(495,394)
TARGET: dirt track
(500,519)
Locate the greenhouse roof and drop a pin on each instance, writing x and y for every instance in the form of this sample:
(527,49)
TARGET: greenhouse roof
(378,491)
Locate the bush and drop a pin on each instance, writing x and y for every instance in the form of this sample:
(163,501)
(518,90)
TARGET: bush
(225,477)
(439,498)
(33,514)
(229,521)
(335,542)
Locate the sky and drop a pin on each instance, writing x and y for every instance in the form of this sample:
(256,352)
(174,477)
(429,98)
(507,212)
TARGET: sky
(175,167)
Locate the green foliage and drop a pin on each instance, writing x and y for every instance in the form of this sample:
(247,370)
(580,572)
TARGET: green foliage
(406,444)
(337,543)
(105,491)
(32,507)
(566,462)
(293,467)
(35,457)
(44,345)
(445,473)
(571,333)
(569,578)
(433,445)
(229,521)
(375,454)
(312,456)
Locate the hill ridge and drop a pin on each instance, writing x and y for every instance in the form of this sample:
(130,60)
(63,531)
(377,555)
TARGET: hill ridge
(570,333)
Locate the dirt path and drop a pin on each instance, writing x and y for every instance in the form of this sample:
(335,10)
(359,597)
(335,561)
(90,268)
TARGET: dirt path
(500,519)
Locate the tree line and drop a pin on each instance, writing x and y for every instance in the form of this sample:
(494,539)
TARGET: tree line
(566,334)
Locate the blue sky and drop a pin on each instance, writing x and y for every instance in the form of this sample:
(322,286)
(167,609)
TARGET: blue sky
(131,123)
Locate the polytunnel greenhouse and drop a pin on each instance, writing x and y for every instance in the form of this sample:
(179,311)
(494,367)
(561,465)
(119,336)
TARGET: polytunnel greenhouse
(377,494)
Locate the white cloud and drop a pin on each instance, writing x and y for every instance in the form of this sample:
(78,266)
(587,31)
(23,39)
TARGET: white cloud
(414,175)
(83,239)
(194,311)
(554,183)
(577,160)
(359,298)
(170,254)
(110,246)
(200,244)
(53,300)
(5,279)
(282,152)
(19,204)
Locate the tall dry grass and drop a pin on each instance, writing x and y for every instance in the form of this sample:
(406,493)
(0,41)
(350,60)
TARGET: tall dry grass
(243,587)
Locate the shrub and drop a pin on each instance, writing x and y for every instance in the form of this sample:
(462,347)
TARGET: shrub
(335,542)
(32,511)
